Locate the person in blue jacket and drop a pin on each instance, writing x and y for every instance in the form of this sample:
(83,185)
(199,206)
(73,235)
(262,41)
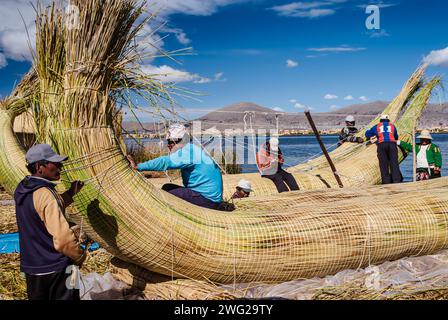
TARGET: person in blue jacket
(386,135)
(201,176)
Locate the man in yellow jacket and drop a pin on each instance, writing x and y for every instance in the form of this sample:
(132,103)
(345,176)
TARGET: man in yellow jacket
(48,247)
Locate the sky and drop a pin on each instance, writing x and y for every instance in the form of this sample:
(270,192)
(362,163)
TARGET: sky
(284,55)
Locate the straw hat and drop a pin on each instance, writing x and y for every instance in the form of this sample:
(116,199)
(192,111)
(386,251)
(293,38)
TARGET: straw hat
(245,185)
(425,134)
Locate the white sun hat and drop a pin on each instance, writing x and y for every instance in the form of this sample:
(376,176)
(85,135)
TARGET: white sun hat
(384,117)
(350,118)
(245,185)
(176,131)
(425,134)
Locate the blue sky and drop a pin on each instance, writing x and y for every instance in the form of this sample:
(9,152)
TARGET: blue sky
(284,54)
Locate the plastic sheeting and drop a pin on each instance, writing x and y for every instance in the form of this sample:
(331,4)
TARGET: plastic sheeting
(96,287)
(402,276)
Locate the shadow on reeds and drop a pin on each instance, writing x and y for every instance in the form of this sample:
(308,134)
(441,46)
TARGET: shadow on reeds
(104,225)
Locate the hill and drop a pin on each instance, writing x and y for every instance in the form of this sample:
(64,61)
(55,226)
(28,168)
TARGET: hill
(232,117)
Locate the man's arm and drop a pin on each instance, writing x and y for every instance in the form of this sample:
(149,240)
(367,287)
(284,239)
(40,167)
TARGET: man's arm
(67,196)
(178,160)
(343,135)
(406,146)
(64,239)
(437,157)
(371,132)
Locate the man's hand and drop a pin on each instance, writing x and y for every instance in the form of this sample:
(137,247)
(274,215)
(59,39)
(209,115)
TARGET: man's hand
(81,236)
(360,140)
(75,187)
(81,260)
(436,170)
(131,161)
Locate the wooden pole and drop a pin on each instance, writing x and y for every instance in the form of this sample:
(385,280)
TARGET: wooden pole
(324,150)
(414,156)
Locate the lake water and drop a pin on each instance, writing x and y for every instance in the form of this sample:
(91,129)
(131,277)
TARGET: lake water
(299,149)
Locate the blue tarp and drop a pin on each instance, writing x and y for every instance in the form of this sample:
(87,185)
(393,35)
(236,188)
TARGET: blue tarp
(9,243)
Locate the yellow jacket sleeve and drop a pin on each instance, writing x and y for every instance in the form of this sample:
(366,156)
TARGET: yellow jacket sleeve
(64,239)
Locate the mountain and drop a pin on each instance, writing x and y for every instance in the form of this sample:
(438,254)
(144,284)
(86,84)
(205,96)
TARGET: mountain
(232,117)
(371,108)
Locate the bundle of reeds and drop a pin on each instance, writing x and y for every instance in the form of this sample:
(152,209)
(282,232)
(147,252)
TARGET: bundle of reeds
(137,222)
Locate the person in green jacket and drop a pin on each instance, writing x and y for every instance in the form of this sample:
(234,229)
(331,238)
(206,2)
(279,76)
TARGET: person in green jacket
(429,157)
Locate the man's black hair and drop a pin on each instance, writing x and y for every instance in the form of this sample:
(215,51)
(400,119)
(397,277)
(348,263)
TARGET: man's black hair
(175,141)
(32,167)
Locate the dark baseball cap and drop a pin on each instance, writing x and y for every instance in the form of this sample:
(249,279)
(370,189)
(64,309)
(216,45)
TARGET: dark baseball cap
(43,152)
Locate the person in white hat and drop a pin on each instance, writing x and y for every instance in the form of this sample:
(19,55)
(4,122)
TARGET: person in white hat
(243,189)
(385,135)
(270,161)
(201,176)
(429,156)
(348,133)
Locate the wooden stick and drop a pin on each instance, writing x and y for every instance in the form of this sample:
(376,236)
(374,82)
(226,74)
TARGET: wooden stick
(414,156)
(324,150)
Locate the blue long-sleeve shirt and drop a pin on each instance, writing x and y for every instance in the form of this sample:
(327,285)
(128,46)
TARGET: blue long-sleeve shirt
(199,172)
(384,131)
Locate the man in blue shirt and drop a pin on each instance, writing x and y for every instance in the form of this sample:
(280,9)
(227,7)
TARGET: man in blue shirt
(386,136)
(201,176)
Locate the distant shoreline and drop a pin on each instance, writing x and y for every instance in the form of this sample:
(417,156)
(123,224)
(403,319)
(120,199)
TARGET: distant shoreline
(127,136)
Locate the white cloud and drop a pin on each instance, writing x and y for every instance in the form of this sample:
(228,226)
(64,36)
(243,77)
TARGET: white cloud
(292,101)
(191,7)
(13,35)
(302,106)
(168,74)
(314,56)
(181,36)
(278,109)
(316,13)
(314,9)
(348,98)
(219,77)
(363,98)
(291,63)
(334,107)
(336,49)
(200,80)
(3,62)
(329,96)
(380,5)
(437,58)
(378,34)
(14,39)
